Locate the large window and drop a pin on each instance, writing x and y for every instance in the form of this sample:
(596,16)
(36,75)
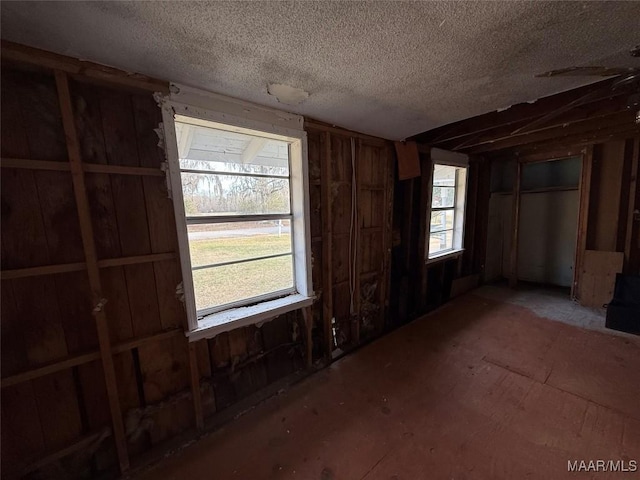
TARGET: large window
(446,225)
(241,203)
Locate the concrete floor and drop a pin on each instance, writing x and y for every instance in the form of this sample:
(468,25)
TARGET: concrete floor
(483,388)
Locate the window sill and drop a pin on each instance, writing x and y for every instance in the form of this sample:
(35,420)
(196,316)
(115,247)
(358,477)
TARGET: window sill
(216,323)
(445,256)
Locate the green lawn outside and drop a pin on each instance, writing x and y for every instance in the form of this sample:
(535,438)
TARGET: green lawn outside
(220,285)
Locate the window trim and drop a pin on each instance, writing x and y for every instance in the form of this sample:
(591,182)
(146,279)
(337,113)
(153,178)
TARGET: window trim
(458,160)
(224,113)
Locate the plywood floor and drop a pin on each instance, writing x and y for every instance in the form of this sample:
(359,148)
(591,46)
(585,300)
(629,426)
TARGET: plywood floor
(480,389)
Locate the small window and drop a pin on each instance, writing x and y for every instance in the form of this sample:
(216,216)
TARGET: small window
(240,197)
(447,210)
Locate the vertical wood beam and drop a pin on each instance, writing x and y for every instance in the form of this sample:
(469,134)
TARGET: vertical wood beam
(327,247)
(584,194)
(482,213)
(426,183)
(631,256)
(356,239)
(91,258)
(513,270)
(195,385)
(307,315)
(388,236)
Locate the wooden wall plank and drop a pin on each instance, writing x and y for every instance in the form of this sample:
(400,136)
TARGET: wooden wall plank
(37,97)
(24,242)
(14,352)
(607,167)
(22,436)
(57,404)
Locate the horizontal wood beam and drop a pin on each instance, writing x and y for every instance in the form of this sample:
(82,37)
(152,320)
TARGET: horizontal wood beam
(49,368)
(569,145)
(76,360)
(513,114)
(79,266)
(591,112)
(43,270)
(89,70)
(619,121)
(141,341)
(122,261)
(64,166)
(369,139)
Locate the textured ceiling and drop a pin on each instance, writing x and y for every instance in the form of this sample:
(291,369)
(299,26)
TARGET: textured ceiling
(391,69)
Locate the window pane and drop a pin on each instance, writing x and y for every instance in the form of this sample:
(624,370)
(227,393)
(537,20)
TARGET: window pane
(228,242)
(443,197)
(207,194)
(444,175)
(203,148)
(441,220)
(440,242)
(221,285)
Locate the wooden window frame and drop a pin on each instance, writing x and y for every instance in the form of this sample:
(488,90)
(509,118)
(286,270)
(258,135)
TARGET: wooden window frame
(223,113)
(459,204)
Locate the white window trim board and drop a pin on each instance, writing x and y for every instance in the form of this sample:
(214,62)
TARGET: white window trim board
(228,320)
(217,111)
(444,157)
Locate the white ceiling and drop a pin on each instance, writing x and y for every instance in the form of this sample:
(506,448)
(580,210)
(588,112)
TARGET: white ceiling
(391,69)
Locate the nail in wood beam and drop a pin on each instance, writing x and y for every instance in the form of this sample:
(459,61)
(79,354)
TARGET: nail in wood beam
(93,271)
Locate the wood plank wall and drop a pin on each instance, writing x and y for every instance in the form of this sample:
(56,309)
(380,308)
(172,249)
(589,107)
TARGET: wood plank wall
(56,412)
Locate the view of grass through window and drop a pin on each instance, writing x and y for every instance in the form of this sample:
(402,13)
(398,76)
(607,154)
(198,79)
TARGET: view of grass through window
(237,203)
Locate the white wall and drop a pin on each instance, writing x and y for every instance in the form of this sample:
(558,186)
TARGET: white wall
(498,237)
(547,237)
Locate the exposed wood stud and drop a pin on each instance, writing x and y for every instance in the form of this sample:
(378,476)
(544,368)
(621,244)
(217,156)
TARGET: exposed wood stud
(633,218)
(307,315)
(584,194)
(357,314)
(195,386)
(88,242)
(426,182)
(389,160)
(327,248)
(513,270)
